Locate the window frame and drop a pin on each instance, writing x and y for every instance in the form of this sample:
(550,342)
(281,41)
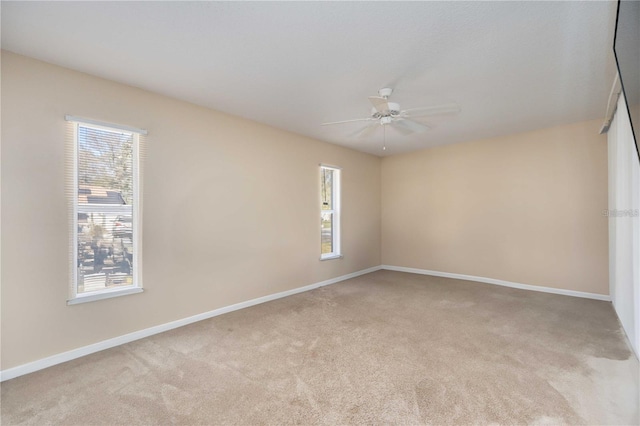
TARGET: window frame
(134,210)
(336,188)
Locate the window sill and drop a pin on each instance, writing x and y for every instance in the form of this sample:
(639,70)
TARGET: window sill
(331,257)
(92,297)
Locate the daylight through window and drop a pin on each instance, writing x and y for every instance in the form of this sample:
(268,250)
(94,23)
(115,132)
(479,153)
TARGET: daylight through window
(330,212)
(105,206)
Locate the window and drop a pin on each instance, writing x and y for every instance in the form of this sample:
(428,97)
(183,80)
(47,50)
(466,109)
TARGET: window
(330,212)
(106,243)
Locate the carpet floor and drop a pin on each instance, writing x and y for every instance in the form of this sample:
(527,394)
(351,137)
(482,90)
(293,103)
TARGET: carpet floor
(386,347)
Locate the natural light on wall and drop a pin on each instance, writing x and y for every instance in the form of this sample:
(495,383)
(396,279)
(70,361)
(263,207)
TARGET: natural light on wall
(330,212)
(106,215)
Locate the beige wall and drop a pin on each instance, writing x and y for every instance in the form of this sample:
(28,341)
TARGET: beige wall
(231,210)
(526,208)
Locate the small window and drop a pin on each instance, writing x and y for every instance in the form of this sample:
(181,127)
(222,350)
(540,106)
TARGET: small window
(105,235)
(330,212)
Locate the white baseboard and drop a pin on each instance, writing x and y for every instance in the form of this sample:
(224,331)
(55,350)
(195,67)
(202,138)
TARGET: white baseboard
(500,282)
(40,364)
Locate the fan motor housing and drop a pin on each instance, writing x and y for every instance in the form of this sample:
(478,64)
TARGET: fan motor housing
(385,92)
(394,109)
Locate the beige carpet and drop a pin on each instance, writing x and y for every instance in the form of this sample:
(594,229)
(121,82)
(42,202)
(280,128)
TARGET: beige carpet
(387,347)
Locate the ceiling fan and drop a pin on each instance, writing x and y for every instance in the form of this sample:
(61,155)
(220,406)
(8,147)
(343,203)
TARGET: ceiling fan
(385,113)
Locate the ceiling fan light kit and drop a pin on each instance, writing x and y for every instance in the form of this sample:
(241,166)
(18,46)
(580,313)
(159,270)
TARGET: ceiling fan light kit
(385,113)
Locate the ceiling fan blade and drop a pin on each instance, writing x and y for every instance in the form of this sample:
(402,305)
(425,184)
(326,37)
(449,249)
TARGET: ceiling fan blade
(379,103)
(409,126)
(445,109)
(347,121)
(366,131)
(402,128)
(415,126)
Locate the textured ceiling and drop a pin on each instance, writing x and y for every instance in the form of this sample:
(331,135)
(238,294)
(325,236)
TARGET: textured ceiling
(511,66)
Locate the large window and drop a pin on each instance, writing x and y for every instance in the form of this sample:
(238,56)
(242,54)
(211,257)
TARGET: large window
(330,212)
(106,211)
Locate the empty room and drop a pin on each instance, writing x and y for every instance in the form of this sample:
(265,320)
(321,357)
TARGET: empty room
(320,213)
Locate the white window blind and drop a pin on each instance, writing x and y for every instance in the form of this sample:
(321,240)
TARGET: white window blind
(106,247)
(330,212)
